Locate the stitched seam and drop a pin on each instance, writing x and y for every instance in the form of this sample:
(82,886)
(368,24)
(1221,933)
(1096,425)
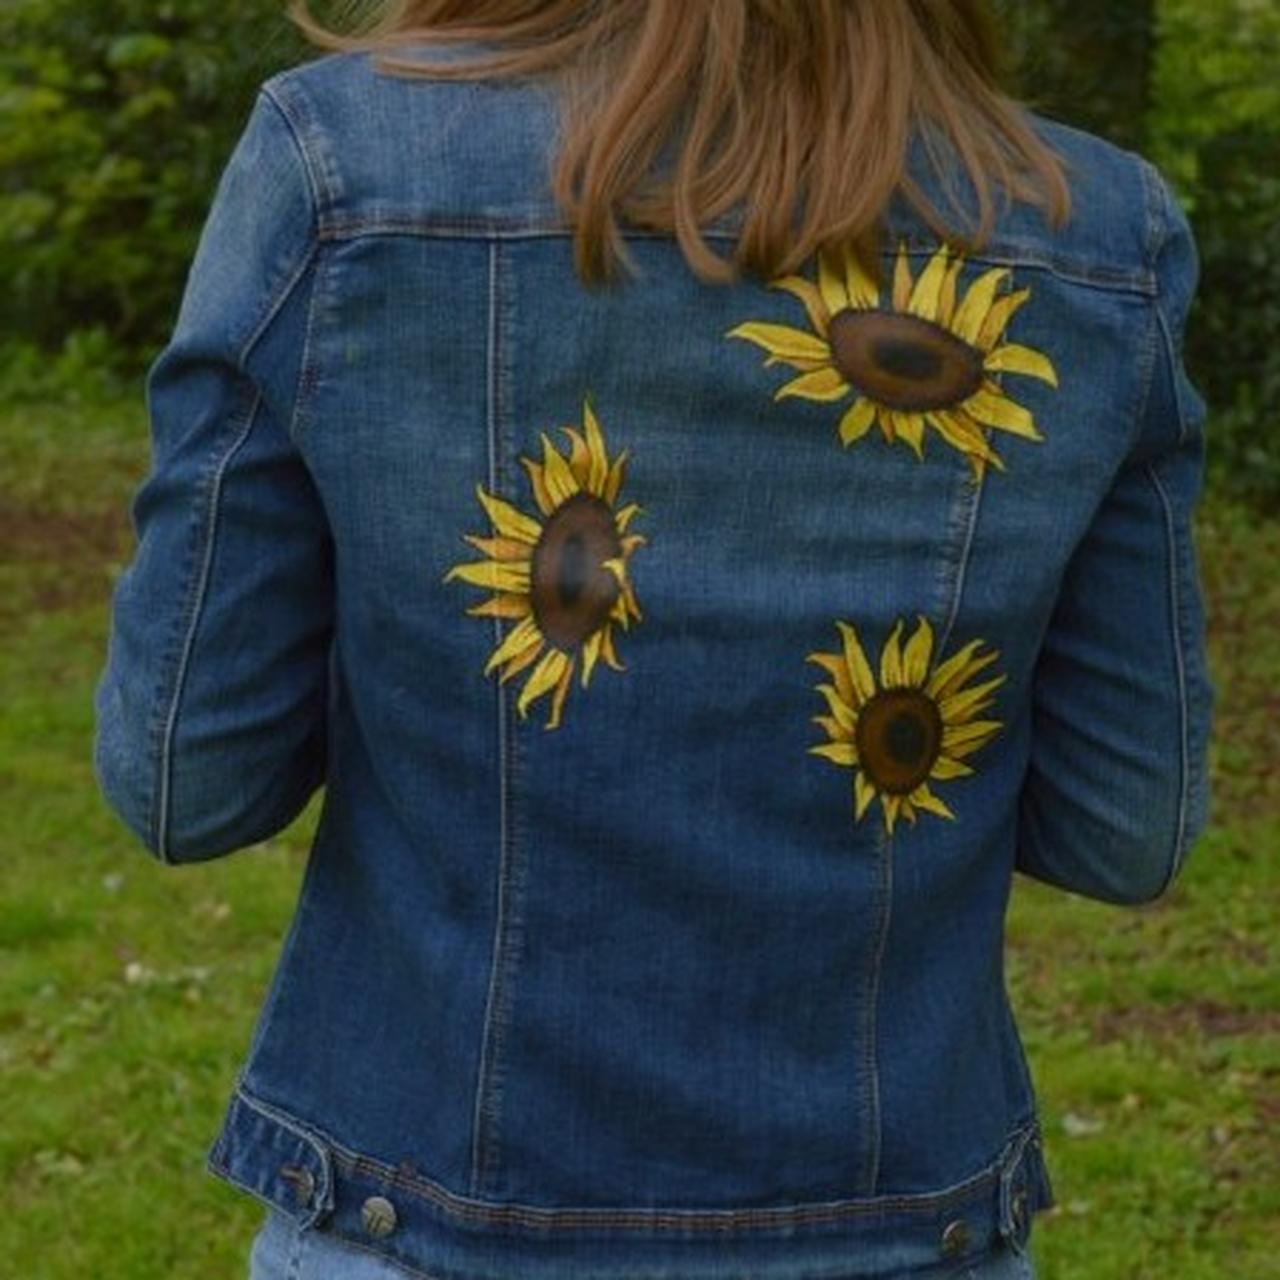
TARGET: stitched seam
(1022,1135)
(356,228)
(317,180)
(885,844)
(493,994)
(1180,668)
(165,765)
(1163,321)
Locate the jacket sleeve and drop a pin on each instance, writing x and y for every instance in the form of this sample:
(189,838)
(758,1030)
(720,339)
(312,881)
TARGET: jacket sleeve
(1117,788)
(210,712)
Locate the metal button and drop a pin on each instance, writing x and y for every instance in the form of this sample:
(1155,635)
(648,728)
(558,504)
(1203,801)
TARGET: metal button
(378,1216)
(302,1179)
(955,1239)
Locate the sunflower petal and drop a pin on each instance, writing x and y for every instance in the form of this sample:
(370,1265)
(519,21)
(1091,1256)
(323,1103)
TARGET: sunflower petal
(821,384)
(891,806)
(910,427)
(916,653)
(831,282)
(964,703)
(947,294)
(864,794)
(923,798)
(959,669)
(858,284)
(856,660)
(945,768)
(926,297)
(1014,358)
(999,411)
(545,674)
(901,279)
(811,296)
(973,311)
(891,660)
(507,519)
(857,420)
(964,739)
(782,341)
(835,664)
(1002,311)
(837,752)
(839,708)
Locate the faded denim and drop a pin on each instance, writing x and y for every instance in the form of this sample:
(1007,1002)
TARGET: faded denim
(639,995)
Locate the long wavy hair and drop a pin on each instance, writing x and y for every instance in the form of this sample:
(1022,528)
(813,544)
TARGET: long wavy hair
(802,111)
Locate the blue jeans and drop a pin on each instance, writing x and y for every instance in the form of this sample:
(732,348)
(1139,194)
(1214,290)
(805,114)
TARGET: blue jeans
(281,1251)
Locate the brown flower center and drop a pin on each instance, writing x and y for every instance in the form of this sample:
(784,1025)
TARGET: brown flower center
(570,591)
(899,737)
(904,361)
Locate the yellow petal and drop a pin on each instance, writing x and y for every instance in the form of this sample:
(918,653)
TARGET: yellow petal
(864,794)
(839,752)
(916,654)
(507,520)
(590,652)
(901,279)
(860,287)
(822,384)
(613,481)
(945,768)
(857,420)
(947,294)
(782,340)
(557,698)
(842,712)
(856,660)
(537,482)
(831,282)
(923,798)
(835,664)
(1002,311)
(891,806)
(958,669)
(999,411)
(517,664)
(503,605)
(967,702)
(927,295)
(545,674)
(595,447)
(910,427)
(809,294)
(968,320)
(500,548)
(561,483)
(579,457)
(523,635)
(1013,358)
(964,739)
(891,659)
(497,575)
(960,431)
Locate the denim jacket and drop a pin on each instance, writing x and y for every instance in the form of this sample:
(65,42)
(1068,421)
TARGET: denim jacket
(688,669)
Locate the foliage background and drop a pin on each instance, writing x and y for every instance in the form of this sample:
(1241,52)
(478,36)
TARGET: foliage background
(116,117)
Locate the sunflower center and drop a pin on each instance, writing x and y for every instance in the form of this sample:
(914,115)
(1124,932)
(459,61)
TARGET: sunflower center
(903,361)
(899,737)
(570,591)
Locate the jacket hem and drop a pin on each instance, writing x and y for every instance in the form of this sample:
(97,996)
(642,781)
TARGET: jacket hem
(299,1170)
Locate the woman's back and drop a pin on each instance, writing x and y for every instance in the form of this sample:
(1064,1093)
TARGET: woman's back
(688,668)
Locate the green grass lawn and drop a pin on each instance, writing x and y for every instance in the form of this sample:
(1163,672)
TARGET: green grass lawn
(128,991)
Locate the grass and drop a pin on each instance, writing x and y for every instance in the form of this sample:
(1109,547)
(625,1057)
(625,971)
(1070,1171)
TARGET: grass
(128,993)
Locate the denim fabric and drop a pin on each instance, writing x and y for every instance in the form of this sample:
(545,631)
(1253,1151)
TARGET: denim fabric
(688,670)
(284,1250)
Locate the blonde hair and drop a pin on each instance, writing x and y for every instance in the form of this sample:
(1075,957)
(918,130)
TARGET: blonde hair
(793,107)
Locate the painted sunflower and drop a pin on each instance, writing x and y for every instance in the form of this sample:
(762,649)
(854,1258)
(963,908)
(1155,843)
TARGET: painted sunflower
(925,356)
(565,577)
(915,727)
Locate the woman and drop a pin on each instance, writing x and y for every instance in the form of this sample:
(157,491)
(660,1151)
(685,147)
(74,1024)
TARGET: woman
(690,653)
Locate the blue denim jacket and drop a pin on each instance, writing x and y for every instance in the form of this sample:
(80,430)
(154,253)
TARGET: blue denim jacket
(688,670)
